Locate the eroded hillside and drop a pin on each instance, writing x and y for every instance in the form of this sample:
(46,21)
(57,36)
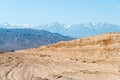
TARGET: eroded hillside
(92,58)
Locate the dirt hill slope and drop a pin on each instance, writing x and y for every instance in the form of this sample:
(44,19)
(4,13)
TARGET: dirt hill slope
(92,58)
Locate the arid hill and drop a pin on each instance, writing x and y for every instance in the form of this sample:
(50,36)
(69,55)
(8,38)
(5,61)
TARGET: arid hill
(92,58)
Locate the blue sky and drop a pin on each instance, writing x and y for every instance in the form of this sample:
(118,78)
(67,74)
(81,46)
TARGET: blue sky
(63,11)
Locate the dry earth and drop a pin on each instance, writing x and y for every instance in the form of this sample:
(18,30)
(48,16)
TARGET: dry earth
(92,58)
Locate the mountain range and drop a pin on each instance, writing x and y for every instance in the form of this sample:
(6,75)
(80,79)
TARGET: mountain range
(15,39)
(73,30)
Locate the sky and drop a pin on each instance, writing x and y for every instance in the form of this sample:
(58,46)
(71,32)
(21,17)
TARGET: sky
(62,11)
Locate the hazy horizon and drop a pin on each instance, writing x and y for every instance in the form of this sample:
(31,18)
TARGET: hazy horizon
(63,11)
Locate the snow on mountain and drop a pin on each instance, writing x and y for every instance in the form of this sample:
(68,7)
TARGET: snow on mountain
(12,25)
(74,30)
(83,30)
(67,25)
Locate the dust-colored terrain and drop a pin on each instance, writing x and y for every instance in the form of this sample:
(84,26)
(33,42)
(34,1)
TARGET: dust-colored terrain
(92,58)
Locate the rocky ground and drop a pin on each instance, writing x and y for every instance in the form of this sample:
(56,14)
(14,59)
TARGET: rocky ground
(92,58)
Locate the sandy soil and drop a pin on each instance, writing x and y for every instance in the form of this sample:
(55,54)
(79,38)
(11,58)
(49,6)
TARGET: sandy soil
(92,58)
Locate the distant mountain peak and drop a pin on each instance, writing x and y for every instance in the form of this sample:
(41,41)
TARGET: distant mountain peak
(67,25)
(74,30)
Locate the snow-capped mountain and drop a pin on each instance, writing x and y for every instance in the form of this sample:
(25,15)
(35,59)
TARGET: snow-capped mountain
(73,30)
(81,30)
(12,25)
